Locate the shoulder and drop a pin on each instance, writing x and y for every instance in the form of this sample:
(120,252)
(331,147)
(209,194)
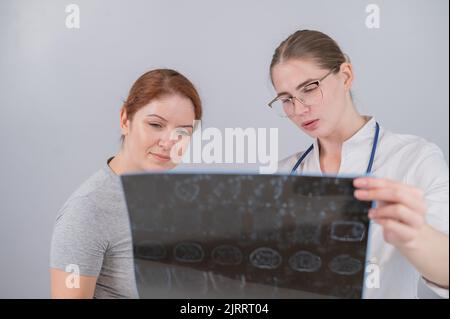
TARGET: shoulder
(88,199)
(96,209)
(410,148)
(97,182)
(420,162)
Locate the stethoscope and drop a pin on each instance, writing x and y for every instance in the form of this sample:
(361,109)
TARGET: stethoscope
(372,154)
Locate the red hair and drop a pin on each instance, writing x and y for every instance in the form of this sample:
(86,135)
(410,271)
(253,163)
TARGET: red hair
(157,83)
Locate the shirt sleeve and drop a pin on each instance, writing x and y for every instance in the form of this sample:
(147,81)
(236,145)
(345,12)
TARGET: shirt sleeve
(78,238)
(437,290)
(431,174)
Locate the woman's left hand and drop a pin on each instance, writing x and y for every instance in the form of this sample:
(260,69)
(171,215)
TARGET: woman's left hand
(400,209)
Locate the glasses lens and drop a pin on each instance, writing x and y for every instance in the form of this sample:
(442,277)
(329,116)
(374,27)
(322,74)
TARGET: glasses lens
(283,107)
(311,94)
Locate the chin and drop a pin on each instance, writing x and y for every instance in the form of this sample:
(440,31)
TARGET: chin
(155,167)
(320,132)
(152,164)
(312,134)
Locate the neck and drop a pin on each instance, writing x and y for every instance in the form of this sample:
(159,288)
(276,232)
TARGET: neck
(117,164)
(349,125)
(330,147)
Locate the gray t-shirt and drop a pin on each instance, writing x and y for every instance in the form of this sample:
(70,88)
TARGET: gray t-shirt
(92,231)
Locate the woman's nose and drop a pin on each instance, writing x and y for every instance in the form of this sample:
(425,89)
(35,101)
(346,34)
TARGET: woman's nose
(167,140)
(299,106)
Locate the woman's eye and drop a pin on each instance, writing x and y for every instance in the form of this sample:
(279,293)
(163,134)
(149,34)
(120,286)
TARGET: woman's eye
(310,88)
(155,125)
(184,132)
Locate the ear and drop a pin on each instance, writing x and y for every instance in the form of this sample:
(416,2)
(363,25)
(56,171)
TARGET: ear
(124,122)
(346,71)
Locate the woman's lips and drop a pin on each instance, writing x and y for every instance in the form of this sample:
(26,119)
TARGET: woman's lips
(310,125)
(160,157)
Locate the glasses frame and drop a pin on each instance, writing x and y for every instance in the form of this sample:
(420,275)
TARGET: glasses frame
(293,98)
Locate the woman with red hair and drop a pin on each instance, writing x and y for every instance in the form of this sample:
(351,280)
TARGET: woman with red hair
(91,251)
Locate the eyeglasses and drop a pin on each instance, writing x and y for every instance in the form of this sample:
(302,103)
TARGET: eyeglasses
(309,94)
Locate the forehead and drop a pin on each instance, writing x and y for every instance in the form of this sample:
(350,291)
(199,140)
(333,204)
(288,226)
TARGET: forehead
(287,75)
(174,108)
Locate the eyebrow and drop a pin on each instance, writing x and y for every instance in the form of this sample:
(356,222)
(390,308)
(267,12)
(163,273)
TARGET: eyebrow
(189,126)
(298,87)
(162,118)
